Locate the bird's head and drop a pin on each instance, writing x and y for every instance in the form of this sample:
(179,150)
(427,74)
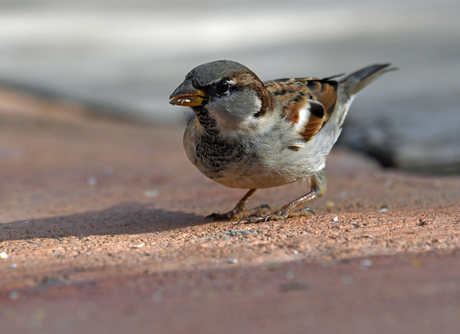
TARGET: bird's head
(228,93)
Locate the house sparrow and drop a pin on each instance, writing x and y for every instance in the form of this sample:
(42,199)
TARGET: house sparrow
(251,134)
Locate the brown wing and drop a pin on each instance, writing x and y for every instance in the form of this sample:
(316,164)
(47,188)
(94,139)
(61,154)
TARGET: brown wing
(316,96)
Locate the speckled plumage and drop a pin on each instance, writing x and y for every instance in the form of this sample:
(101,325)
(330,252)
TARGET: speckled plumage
(249,134)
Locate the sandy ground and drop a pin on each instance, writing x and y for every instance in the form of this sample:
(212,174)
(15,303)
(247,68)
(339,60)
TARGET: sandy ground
(103,231)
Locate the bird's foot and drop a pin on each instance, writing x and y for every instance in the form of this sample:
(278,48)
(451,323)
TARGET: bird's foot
(279,215)
(239,213)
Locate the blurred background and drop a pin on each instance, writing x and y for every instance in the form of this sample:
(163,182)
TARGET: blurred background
(124,58)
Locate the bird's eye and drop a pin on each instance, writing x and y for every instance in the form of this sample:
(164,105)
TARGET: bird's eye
(222,87)
(195,83)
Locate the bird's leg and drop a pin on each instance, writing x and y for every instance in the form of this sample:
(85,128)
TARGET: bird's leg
(318,183)
(241,209)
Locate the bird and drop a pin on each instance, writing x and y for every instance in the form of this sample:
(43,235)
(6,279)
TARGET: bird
(249,134)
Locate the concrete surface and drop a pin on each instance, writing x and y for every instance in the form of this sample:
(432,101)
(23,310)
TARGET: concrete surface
(126,57)
(102,230)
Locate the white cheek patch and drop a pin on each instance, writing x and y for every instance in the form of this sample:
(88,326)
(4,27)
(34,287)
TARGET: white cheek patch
(251,121)
(257,104)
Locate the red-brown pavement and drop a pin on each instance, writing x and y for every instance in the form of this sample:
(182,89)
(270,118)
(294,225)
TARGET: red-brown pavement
(102,231)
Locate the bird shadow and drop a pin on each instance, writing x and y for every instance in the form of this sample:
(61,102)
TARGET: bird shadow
(122,219)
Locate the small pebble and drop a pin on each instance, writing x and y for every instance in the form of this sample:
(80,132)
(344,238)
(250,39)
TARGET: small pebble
(14,265)
(91,181)
(416,262)
(289,275)
(14,295)
(336,219)
(383,210)
(366,263)
(422,223)
(232,260)
(137,245)
(330,204)
(151,193)
(3,255)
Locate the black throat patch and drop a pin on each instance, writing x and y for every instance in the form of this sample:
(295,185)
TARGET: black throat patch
(213,153)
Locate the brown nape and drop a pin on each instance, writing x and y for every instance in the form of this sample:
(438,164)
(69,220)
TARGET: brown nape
(249,79)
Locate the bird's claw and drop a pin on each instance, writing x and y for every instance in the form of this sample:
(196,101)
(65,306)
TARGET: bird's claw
(280,215)
(302,212)
(254,218)
(238,213)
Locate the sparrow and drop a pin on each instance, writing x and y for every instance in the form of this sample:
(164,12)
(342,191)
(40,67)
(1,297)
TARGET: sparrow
(250,134)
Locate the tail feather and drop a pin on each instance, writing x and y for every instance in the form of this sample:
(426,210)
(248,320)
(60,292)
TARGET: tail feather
(354,82)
